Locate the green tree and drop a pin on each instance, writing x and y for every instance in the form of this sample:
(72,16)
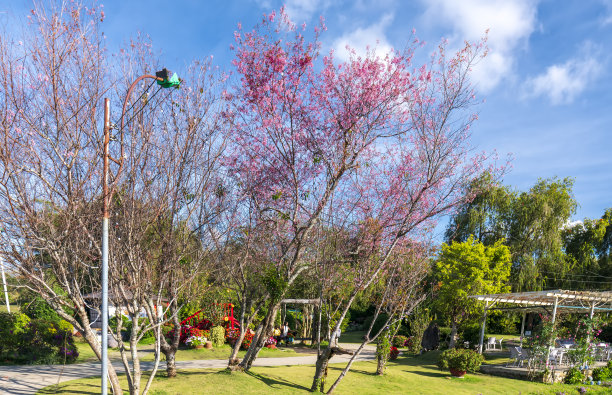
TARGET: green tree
(486,216)
(530,222)
(534,237)
(587,251)
(465,269)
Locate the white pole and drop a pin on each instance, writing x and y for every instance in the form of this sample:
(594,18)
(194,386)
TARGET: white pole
(482,329)
(104,293)
(523,328)
(554,317)
(6,298)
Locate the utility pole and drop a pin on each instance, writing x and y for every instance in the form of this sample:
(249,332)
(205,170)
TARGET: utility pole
(105,219)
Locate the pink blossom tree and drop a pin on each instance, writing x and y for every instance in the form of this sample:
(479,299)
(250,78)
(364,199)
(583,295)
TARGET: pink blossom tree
(371,140)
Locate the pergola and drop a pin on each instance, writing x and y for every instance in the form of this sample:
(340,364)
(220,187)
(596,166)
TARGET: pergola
(556,300)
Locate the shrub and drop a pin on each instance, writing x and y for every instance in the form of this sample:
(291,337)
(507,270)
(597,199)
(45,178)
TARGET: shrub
(37,341)
(471,333)
(232,335)
(380,321)
(444,333)
(393,353)
(602,374)
(217,336)
(38,309)
(460,359)
(574,376)
(399,341)
(606,334)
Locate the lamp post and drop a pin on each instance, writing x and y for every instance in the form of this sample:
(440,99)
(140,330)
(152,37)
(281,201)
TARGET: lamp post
(166,79)
(6,298)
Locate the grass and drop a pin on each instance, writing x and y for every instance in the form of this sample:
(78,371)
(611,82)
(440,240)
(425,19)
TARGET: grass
(86,354)
(14,308)
(407,375)
(354,337)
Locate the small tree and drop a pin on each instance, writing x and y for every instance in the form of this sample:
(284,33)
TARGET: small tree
(465,269)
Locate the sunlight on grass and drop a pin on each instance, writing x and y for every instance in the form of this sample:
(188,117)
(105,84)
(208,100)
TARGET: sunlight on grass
(407,375)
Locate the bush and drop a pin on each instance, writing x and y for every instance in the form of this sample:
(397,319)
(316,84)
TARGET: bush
(399,341)
(471,333)
(393,353)
(602,374)
(574,376)
(217,336)
(38,309)
(444,333)
(460,359)
(606,334)
(26,341)
(380,321)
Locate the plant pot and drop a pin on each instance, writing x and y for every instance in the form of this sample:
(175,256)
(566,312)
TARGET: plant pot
(457,373)
(199,347)
(209,345)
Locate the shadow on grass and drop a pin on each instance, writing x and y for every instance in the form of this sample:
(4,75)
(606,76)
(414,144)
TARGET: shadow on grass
(429,374)
(60,389)
(270,382)
(353,370)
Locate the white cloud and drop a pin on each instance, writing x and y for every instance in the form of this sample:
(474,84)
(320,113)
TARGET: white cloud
(302,10)
(563,82)
(607,17)
(570,224)
(360,39)
(510,24)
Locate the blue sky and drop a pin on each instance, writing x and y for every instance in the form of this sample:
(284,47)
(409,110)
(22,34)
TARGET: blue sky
(546,82)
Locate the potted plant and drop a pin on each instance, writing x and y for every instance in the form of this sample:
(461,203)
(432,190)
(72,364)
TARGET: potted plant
(196,342)
(459,361)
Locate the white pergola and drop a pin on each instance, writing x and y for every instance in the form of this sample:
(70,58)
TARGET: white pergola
(558,300)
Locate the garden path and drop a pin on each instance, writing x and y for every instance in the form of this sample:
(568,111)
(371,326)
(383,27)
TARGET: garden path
(27,379)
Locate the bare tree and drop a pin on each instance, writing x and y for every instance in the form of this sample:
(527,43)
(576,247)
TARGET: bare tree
(166,199)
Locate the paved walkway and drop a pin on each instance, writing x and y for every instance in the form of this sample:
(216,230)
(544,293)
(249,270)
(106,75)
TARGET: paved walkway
(30,378)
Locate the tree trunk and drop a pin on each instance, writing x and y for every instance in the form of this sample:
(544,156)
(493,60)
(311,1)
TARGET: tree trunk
(169,349)
(259,340)
(92,340)
(318,382)
(381,360)
(170,363)
(453,335)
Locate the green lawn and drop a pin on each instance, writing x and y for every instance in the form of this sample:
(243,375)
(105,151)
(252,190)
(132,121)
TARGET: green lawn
(146,353)
(355,337)
(14,307)
(407,375)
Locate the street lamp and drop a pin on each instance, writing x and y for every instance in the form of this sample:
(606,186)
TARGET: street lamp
(166,79)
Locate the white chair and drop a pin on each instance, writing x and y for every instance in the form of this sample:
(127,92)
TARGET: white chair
(515,357)
(500,343)
(491,343)
(523,356)
(554,358)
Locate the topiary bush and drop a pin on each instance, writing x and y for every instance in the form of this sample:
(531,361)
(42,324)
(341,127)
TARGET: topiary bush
(217,336)
(460,359)
(574,376)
